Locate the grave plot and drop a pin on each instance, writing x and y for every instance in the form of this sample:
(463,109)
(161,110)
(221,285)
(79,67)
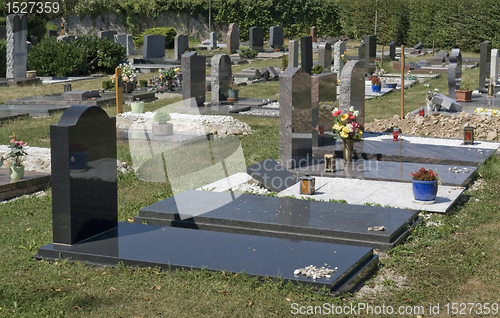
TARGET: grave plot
(31,182)
(86,228)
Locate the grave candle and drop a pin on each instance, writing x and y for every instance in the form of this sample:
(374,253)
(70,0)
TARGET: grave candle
(321,130)
(468,135)
(307,185)
(395,134)
(421,111)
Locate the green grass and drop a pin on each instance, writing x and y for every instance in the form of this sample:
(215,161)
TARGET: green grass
(454,262)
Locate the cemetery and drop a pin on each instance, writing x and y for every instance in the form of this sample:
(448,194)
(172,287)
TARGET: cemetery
(245,171)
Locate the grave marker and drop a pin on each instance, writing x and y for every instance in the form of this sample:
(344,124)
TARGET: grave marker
(127,41)
(154,46)
(484,63)
(323,96)
(370,56)
(213,41)
(295,121)
(17,49)
(84,199)
(306,53)
(233,39)
(181,44)
(325,56)
(193,67)
(352,88)
(392,50)
(276,38)
(293,54)
(338,61)
(256,39)
(494,65)
(51,33)
(314,34)
(454,72)
(110,35)
(221,75)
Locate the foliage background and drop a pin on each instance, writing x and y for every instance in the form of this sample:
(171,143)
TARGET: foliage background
(461,23)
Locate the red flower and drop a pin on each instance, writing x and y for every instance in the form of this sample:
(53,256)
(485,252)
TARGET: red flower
(337,112)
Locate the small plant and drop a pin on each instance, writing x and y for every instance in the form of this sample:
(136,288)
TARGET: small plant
(17,152)
(232,85)
(424,175)
(284,62)
(376,81)
(465,86)
(143,83)
(248,53)
(317,69)
(162,116)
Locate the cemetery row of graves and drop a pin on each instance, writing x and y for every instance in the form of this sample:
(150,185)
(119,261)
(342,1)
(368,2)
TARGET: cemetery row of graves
(173,235)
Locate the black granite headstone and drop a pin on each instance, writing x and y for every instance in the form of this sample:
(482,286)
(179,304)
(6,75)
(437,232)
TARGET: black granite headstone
(276,37)
(51,33)
(306,53)
(110,35)
(370,56)
(154,46)
(256,38)
(454,72)
(418,46)
(84,190)
(484,63)
(193,67)
(271,175)
(392,50)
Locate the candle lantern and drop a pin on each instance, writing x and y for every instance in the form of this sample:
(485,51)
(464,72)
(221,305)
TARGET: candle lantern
(329,163)
(468,135)
(307,185)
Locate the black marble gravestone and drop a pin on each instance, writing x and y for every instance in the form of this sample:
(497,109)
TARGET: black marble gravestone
(306,53)
(193,68)
(392,50)
(271,175)
(370,56)
(454,73)
(276,37)
(256,38)
(84,196)
(484,63)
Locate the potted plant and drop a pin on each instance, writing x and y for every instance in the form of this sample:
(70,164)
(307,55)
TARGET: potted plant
(391,83)
(161,126)
(464,94)
(425,185)
(16,156)
(347,129)
(137,106)
(376,84)
(233,90)
(78,157)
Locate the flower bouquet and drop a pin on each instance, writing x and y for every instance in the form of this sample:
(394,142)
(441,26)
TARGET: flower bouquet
(166,80)
(348,129)
(129,73)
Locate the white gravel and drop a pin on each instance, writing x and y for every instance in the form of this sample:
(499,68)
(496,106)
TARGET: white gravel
(250,188)
(38,159)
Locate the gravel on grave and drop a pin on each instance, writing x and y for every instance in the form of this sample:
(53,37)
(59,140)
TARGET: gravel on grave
(198,124)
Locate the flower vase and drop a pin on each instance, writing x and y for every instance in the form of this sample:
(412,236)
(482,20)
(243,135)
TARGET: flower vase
(232,94)
(348,149)
(376,88)
(16,172)
(425,191)
(137,107)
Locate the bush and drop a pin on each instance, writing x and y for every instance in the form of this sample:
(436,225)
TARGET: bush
(3,57)
(103,55)
(317,69)
(37,26)
(248,53)
(169,34)
(143,83)
(107,85)
(284,62)
(162,116)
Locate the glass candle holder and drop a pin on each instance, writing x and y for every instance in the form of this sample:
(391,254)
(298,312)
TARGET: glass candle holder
(421,111)
(395,134)
(468,135)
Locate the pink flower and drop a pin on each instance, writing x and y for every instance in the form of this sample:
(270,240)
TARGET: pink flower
(337,112)
(355,125)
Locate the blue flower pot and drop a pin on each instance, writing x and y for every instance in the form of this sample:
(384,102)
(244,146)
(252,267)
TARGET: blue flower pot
(376,88)
(425,190)
(391,85)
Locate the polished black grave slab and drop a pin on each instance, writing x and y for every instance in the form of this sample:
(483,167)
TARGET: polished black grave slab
(386,170)
(174,248)
(282,217)
(271,175)
(404,151)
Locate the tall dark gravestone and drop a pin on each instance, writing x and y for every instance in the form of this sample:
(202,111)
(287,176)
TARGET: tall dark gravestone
(154,46)
(325,56)
(323,96)
(484,62)
(295,122)
(256,38)
(233,39)
(276,37)
(352,88)
(84,189)
(181,44)
(17,48)
(221,76)
(314,34)
(193,67)
(392,50)
(454,73)
(306,53)
(370,53)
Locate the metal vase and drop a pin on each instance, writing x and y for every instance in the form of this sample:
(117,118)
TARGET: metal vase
(348,149)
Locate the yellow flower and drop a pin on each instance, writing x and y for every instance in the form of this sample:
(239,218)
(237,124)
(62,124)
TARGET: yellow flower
(344,117)
(494,112)
(343,134)
(346,130)
(177,70)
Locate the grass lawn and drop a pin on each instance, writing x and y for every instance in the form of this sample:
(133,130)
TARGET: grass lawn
(447,259)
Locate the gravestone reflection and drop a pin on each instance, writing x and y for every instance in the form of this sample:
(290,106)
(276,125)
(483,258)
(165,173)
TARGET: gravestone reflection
(84,191)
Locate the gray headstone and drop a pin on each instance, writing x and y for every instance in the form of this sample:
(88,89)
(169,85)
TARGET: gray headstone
(293,54)
(51,33)
(3,32)
(370,53)
(213,40)
(323,89)
(271,175)
(484,62)
(295,121)
(84,198)
(454,72)
(276,37)
(314,34)
(450,104)
(325,56)
(338,62)
(127,41)
(233,39)
(418,46)
(79,95)
(17,48)
(273,74)
(110,35)
(154,46)
(494,65)
(181,44)
(352,88)
(193,67)
(256,38)
(392,50)
(306,53)
(221,75)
